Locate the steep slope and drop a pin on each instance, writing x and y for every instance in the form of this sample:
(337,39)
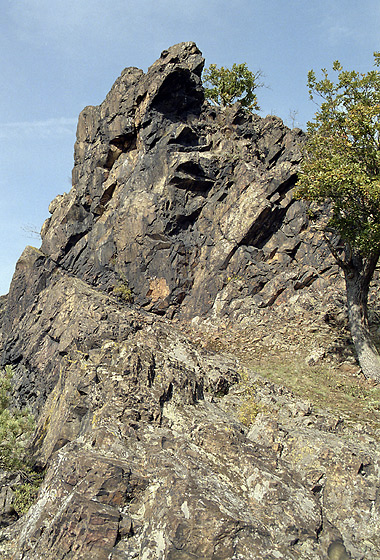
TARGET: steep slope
(153,447)
(178,197)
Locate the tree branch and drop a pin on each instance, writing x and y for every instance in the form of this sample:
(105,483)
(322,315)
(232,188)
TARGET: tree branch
(342,263)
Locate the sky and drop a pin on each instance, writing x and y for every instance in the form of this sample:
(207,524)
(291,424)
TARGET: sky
(62,55)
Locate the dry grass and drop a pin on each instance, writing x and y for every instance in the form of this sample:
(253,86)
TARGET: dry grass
(336,387)
(334,382)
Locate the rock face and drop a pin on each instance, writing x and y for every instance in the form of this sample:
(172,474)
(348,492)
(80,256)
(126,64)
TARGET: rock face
(154,448)
(179,198)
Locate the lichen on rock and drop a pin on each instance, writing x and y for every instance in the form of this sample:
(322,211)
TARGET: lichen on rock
(139,416)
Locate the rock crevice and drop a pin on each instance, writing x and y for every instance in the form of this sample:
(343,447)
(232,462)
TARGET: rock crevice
(152,446)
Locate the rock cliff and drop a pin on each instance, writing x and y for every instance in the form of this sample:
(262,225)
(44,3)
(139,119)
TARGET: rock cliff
(180,236)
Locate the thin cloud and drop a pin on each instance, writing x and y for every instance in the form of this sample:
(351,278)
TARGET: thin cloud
(41,129)
(339,33)
(350,25)
(69,25)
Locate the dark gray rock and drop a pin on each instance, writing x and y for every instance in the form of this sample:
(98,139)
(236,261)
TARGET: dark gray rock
(152,447)
(178,197)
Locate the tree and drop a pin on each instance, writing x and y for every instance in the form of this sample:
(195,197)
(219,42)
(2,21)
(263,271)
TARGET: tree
(230,85)
(341,167)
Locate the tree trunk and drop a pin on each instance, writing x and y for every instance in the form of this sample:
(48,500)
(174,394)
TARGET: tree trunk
(358,275)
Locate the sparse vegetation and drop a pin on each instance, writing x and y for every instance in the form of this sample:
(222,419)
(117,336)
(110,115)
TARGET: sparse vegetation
(336,388)
(123,291)
(15,426)
(25,494)
(341,167)
(228,85)
(333,385)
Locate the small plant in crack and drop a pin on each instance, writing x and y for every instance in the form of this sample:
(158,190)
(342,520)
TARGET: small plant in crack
(122,290)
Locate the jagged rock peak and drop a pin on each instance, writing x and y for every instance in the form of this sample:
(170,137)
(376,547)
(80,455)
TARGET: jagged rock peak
(153,447)
(178,196)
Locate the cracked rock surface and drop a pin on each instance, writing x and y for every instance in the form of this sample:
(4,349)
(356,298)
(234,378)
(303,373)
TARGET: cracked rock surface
(154,446)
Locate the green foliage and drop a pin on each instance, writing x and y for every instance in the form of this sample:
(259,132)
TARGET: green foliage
(342,154)
(123,291)
(230,85)
(15,426)
(25,494)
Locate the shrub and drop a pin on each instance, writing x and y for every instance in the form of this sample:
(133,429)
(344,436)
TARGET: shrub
(231,85)
(15,426)
(25,494)
(249,408)
(123,291)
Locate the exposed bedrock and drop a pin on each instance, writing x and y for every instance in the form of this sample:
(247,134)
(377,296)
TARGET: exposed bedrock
(154,448)
(179,197)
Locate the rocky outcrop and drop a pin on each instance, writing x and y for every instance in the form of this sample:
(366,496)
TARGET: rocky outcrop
(179,198)
(152,446)
(153,450)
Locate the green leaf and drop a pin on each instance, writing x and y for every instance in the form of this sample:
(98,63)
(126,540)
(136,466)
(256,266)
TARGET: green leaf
(225,86)
(342,154)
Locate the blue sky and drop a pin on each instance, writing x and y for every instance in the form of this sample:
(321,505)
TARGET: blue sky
(60,55)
